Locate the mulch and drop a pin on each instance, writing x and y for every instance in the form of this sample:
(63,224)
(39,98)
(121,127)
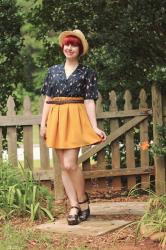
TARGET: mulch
(123,239)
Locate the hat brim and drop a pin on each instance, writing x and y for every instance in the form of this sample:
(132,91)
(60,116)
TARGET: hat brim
(79,35)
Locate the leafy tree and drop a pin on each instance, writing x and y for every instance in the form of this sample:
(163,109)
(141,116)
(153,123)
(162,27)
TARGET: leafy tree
(126,38)
(136,39)
(31,50)
(10,46)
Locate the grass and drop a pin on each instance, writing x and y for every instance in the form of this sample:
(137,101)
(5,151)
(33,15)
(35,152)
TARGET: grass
(17,239)
(20,239)
(21,195)
(153,222)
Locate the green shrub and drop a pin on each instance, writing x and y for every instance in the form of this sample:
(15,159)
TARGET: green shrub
(21,195)
(159,148)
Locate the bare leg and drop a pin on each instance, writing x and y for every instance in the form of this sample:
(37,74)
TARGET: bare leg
(70,158)
(76,175)
(67,182)
(72,178)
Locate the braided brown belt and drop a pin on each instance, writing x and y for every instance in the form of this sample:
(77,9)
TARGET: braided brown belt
(60,102)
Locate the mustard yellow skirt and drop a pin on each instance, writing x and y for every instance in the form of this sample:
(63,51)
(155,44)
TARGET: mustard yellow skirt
(68,125)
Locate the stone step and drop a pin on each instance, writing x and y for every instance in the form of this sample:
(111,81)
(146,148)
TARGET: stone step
(96,225)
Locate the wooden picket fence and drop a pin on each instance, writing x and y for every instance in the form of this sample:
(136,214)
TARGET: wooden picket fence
(159,118)
(120,143)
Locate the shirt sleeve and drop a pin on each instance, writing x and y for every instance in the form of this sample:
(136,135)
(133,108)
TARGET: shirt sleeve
(47,86)
(91,90)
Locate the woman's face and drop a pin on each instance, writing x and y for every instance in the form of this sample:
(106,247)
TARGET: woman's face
(71,51)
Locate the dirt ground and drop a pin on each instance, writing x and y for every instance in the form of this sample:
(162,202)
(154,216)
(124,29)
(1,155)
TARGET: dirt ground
(118,240)
(123,239)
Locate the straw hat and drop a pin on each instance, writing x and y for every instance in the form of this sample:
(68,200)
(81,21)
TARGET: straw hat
(78,34)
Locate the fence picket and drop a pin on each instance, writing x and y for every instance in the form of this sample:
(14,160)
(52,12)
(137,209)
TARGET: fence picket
(101,161)
(44,151)
(114,124)
(144,154)
(129,142)
(28,136)
(11,133)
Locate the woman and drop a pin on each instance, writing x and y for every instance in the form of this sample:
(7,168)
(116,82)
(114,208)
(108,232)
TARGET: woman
(69,119)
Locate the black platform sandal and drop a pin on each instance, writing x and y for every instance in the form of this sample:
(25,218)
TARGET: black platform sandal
(73,219)
(84,214)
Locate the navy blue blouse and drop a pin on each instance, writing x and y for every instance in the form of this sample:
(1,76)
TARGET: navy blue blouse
(81,83)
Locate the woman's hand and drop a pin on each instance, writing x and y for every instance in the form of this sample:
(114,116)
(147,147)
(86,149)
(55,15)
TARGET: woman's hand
(101,133)
(43,131)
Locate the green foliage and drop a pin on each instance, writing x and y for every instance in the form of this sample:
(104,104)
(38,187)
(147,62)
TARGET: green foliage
(10,45)
(21,195)
(153,222)
(31,53)
(127,45)
(126,38)
(154,219)
(11,67)
(17,238)
(159,147)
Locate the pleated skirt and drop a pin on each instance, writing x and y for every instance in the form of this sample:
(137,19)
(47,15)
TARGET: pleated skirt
(68,126)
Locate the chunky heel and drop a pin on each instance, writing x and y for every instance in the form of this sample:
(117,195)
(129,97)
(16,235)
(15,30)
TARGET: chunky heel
(84,214)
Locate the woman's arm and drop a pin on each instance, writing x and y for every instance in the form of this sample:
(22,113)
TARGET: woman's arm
(91,111)
(46,108)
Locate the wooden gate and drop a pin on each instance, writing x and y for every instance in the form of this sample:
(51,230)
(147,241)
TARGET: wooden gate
(120,155)
(122,125)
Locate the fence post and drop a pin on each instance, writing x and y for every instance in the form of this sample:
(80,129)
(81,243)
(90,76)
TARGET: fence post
(158,119)
(144,129)
(58,185)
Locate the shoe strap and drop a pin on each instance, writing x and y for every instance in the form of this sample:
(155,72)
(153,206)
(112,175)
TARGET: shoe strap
(75,207)
(86,200)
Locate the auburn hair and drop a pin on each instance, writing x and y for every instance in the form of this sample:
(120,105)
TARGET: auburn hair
(73,40)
